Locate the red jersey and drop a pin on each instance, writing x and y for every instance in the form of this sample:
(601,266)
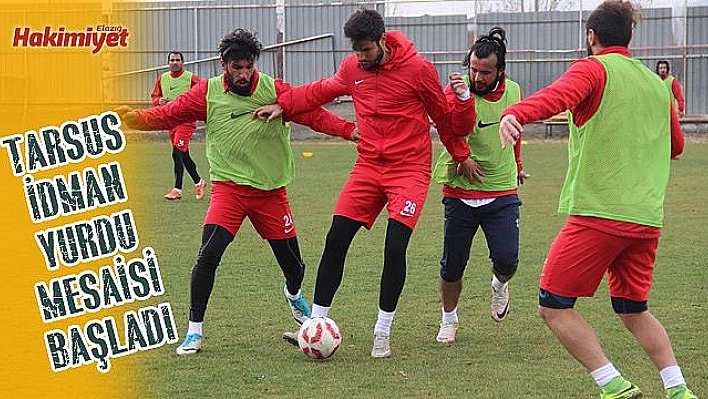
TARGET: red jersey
(392,106)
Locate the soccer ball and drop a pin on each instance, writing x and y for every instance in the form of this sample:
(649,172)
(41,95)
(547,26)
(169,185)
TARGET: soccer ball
(319,338)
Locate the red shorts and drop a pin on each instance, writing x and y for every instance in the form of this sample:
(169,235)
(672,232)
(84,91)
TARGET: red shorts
(580,256)
(181,135)
(371,187)
(269,211)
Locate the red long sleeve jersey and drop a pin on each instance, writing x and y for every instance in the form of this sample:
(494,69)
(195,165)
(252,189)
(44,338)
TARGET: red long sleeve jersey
(192,106)
(392,105)
(580,90)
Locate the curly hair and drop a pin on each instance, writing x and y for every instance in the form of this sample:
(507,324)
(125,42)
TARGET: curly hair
(364,24)
(240,44)
(613,22)
(494,42)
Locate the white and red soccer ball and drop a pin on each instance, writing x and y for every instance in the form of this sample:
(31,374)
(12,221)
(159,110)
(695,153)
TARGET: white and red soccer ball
(319,338)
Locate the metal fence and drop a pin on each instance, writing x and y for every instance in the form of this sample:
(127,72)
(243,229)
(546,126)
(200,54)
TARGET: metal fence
(541,44)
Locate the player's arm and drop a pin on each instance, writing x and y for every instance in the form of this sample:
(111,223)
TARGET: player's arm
(451,135)
(433,99)
(156,94)
(189,106)
(461,102)
(308,97)
(677,140)
(577,84)
(581,82)
(324,121)
(294,100)
(678,94)
(522,175)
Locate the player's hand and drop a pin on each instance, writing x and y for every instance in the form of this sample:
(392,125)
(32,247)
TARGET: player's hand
(356,136)
(163,101)
(470,169)
(268,112)
(522,177)
(509,130)
(127,115)
(457,83)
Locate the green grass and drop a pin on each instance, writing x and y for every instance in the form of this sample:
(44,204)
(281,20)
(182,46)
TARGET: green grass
(243,355)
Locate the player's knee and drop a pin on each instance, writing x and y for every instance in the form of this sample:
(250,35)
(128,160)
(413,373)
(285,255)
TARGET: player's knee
(395,249)
(450,274)
(341,233)
(505,265)
(548,300)
(627,306)
(336,240)
(209,258)
(206,264)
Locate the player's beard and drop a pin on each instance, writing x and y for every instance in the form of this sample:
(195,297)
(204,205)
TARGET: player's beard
(589,48)
(488,89)
(371,65)
(236,88)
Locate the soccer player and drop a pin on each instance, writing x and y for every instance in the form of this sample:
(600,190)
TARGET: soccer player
(623,133)
(489,201)
(663,69)
(394,90)
(250,162)
(168,86)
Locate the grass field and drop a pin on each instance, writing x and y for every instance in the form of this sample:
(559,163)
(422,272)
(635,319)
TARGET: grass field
(243,355)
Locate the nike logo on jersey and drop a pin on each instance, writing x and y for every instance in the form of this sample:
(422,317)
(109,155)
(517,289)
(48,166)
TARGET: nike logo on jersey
(482,125)
(356,82)
(234,115)
(289,229)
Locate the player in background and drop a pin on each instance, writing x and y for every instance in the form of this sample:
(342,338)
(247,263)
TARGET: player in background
(250,162)
(672,85)
(489,201)
(168,86)
(623,134)
(394,90)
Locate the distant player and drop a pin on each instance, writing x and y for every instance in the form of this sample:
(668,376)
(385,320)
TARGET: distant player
(168,86)
(623,133)
(663,69)
(490,201)
(250,162)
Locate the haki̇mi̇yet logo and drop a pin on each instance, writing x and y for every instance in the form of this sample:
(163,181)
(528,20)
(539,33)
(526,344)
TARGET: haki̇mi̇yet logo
(94,37)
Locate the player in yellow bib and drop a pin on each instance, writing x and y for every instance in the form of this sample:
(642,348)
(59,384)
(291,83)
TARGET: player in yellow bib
(663,69)
(491,201)
(168,86)
(623,134)
(251,162)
